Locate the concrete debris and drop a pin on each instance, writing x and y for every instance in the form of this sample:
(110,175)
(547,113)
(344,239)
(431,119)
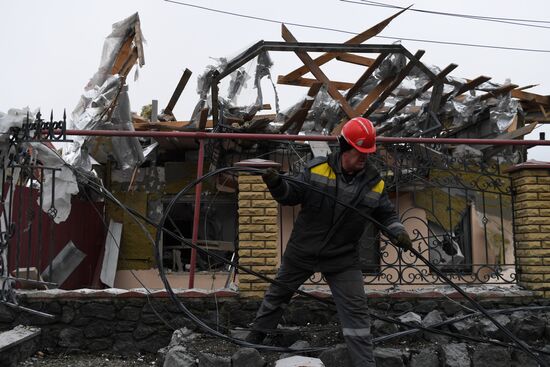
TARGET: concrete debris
(247,357)
(299,361)
(455,355)
(411,318)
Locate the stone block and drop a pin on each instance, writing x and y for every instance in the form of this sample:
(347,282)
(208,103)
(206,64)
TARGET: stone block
(252,261)
(455,355)
(264,253)
(271,228)
(252,244)
(245,219)
(252,211)
(245,236)
(337,356)
(254,228)
(265,204)
(388,357)
(258,187)
(264,220)
(263,236)
(271,211)
(491,355)
(245,204)
(247,357)
(251,179)
(250,195)
(244,187)
(426,358)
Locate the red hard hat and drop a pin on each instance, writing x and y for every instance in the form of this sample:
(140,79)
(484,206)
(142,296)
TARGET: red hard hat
(360,134)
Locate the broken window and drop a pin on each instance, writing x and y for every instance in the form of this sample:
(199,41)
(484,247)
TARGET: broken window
(217,232)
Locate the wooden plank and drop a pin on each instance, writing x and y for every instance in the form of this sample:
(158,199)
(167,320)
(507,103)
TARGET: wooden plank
(300,114)
(16,336)
(110,257)
(318,73)
(498,92)
(355,59)
(308,82)
(405,101)
(526,96)
(138,41)
(202,118)
(366,75)
(398,79)
(467,87)
(373,95)
(122,57)
(130,62)
(177,92)
(360,38)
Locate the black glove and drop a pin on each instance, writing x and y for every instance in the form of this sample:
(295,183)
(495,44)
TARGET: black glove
(404,241)
(271,177)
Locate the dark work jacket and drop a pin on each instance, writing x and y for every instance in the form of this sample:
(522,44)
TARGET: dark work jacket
(326,235)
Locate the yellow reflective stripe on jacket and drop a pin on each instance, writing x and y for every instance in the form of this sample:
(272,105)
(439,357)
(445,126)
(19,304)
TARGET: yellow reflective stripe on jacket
(324,170)
(379,187)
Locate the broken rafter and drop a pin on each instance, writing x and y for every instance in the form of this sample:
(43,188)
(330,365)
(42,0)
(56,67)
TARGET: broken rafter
(355,59)
(360,38)
(298,117)
(472,84)
(526,96)
(318,73)
(395,83)
(366,75)
(177,92)
(498,92)
(308,82)
(405,101)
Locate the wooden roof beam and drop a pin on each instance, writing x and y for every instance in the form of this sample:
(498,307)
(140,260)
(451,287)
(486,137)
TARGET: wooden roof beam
(405,101)
(366,75)
(355,59)
(318,73)
(298,117)
(360,38)
(472,84)
(398,79)
(308,82)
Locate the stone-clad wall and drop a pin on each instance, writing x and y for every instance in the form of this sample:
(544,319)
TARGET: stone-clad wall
(127,325)
(531,183)
(258,233)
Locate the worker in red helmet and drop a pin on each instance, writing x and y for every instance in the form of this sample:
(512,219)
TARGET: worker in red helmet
(326,235)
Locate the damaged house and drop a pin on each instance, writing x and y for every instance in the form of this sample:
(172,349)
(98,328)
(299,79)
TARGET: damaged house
(148,204)
(455,200)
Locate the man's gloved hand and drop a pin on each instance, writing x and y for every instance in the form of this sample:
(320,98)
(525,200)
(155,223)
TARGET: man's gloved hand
(404,241)
(271,177)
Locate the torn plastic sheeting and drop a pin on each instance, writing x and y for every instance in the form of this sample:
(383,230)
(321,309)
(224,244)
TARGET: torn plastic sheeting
(325,112)
(111,47)
(127,152)
(92,108)
(65,183)
(237,83)
(390,66)
(502,116)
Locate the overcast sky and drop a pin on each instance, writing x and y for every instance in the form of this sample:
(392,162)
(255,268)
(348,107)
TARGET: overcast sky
(50,49)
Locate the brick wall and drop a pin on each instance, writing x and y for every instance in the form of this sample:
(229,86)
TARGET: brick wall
(258,234)
(531,182)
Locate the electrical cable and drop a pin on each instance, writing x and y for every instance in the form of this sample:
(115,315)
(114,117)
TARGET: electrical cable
(355,33)
(279,349)
(518,345)
(457,15)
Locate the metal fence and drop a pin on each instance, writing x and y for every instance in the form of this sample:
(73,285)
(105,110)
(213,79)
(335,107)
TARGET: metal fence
(456,206)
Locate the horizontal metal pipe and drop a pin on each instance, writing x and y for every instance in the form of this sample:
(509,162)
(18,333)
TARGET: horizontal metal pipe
(244,136)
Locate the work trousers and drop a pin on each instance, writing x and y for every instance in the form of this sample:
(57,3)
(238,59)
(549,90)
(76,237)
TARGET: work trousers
(348,292)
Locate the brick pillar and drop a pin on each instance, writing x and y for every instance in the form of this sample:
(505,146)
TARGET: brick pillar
(531,183)
(258,234)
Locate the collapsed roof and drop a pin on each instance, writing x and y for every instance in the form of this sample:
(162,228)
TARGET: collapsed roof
(401,95)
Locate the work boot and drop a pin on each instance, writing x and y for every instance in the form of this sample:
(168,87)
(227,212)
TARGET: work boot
(255,337)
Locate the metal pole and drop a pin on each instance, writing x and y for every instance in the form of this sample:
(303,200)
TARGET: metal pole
(381,139)
(196,216)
